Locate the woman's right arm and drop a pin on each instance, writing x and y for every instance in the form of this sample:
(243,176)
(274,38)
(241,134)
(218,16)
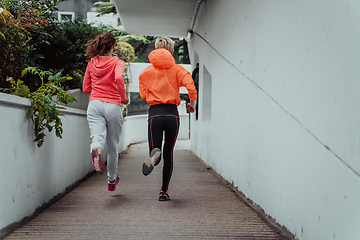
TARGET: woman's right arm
(142,89)
(87,81)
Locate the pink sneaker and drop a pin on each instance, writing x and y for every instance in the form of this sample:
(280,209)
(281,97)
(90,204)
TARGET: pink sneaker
(97,162)
(112,186)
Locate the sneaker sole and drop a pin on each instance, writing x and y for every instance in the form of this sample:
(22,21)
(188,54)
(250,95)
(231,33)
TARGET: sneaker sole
(164,199)
(98,163)
(149,163)
(117,180)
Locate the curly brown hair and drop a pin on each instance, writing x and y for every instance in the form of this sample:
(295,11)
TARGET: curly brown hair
(99,45)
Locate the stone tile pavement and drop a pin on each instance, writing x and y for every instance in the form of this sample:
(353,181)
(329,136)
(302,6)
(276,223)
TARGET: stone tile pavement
(201,206)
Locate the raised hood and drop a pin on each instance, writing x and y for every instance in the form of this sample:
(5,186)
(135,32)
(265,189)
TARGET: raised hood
(161,58)
(102,65)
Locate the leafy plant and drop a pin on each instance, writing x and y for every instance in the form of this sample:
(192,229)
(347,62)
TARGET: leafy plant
(125,52)
(124,37)
(44,110)
(13,45)
(4,18)
(181,53)
(30,15)
(104,8)
(63,49)
(22,25)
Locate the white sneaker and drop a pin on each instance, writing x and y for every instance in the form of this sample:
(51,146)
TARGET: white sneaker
(152,160)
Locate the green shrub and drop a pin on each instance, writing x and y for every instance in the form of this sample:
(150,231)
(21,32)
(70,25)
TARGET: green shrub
(22,28)
(125,52)
(44,111)
(63,49)
(13,47)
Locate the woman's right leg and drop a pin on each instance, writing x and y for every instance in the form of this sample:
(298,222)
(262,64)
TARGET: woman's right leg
(114,119)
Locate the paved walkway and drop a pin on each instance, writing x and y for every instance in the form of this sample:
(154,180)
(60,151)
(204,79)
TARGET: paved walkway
(201,206)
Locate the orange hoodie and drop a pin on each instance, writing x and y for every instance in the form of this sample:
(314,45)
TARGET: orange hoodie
(104,79)
(160,82)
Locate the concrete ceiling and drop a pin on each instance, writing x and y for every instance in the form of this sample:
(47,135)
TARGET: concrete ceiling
(171,18)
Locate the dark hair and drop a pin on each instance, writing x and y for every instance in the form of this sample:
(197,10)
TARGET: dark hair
(99,45)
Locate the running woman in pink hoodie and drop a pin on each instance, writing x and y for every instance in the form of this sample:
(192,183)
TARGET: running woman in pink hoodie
(104,81)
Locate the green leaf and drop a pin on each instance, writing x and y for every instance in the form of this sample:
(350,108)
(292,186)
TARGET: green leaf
(50,112)
(23,72)
(72,99)
(41,116)
(58,133)
(40,142)
(47,99)
(4,89)
(39,137)
(50,78)
(49,127)
(23,91)
(29,113)
(2,35)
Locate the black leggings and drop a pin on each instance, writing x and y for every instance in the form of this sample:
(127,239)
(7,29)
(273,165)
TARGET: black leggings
(164,117)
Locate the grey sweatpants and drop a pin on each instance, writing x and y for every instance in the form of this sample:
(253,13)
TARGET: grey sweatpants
(105,121)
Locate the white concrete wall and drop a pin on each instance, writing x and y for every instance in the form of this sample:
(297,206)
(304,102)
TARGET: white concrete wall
(82,99)
(284,120)
(31,176)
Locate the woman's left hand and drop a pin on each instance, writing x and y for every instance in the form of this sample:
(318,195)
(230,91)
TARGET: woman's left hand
(124,102)
(191,106)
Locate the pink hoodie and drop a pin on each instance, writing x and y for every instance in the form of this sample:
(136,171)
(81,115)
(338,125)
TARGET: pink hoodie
(104,79)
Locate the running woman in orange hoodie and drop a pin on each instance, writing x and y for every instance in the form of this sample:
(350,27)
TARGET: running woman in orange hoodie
(159,85)
(104,81)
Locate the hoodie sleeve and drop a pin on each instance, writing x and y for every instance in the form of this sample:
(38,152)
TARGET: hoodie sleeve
(142,88)
(119,79)
(187,82)
(87,80)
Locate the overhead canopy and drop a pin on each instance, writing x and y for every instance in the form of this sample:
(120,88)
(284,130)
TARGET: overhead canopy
(170,18)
